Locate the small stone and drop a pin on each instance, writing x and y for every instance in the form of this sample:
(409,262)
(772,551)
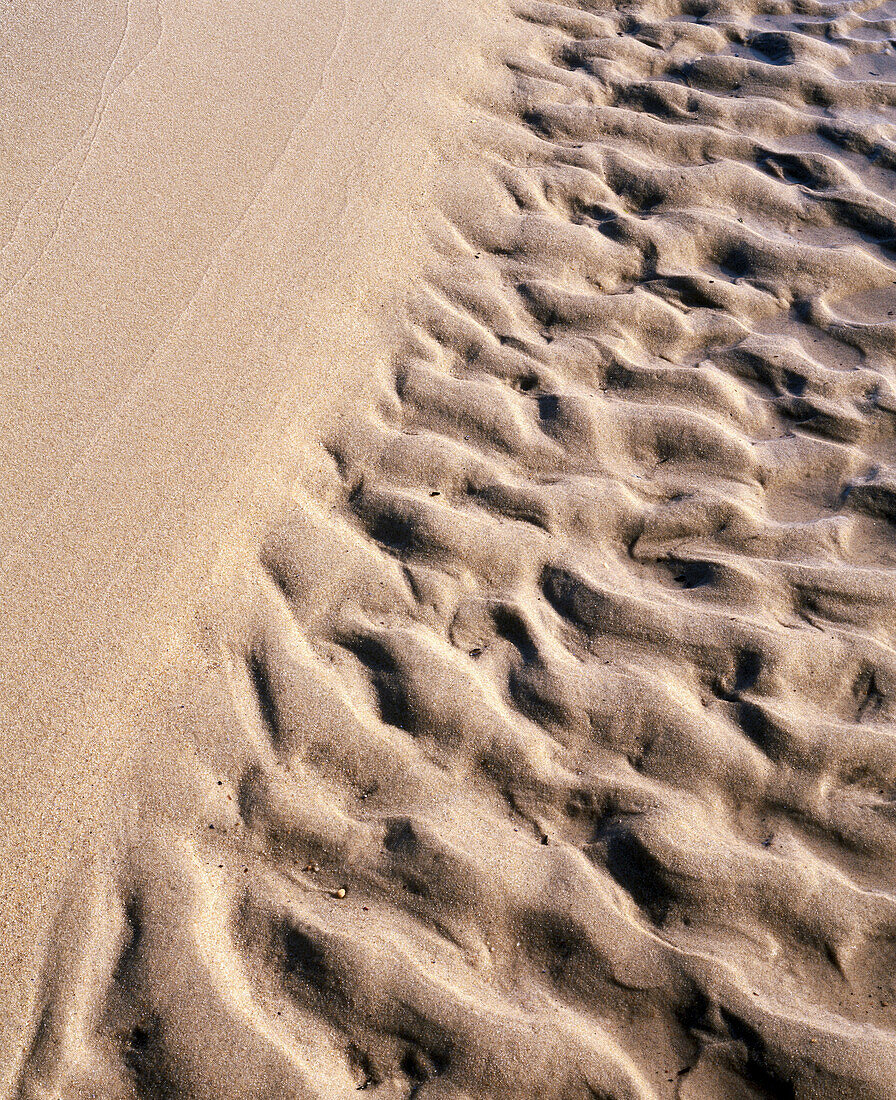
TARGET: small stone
(340,893)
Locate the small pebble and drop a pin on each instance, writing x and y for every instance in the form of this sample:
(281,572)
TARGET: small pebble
(340,893)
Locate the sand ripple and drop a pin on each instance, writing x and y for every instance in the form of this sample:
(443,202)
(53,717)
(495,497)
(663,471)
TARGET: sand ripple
(581,685)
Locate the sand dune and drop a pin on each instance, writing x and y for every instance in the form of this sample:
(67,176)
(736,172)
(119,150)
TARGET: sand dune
(559,746)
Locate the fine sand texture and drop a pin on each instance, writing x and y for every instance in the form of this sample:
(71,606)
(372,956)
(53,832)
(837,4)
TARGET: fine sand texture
(202,205)
(538,741)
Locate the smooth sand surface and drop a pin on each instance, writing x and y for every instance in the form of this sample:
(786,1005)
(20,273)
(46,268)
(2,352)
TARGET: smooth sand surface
(449,539)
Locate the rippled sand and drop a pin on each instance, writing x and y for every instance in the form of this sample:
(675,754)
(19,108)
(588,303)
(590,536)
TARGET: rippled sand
(556,755)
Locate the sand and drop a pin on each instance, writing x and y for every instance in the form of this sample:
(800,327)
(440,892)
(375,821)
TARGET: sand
(448,539)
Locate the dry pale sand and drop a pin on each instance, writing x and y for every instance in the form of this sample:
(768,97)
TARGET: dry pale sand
(449,553)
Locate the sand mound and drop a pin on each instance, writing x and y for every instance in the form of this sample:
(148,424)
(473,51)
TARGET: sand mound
(565,762)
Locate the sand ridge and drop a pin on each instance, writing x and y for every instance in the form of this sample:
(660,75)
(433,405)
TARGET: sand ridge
(562,755)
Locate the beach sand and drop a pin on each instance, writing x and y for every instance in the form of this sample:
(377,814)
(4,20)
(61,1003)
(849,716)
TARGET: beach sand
(448,550)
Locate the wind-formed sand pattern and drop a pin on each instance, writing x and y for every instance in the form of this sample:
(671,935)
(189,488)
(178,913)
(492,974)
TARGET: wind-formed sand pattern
(567,761)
